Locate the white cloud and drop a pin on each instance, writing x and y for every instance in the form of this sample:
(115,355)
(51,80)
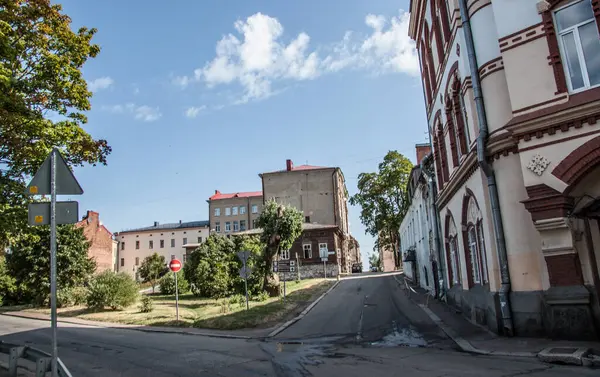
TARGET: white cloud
(143,112)
(192,112)
(181,81)
(258,59)
(100,83)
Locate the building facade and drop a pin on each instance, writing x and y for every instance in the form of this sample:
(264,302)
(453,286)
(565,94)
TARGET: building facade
(100,239)
(512,93)
(169,240)
(231,213)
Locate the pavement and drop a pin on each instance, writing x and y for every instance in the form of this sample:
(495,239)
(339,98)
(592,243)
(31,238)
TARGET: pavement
(367,325)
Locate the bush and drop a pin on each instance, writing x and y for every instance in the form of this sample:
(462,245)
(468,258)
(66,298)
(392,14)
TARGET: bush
(262,296)
(146,305)
(167,284)
(237,300)
(113,290)
(225,306)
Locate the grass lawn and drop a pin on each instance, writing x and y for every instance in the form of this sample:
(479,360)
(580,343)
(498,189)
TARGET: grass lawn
(210,313)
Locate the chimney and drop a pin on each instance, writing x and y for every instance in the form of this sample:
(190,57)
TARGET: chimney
(156,223)
(289,165)
(179,222)
(217,192)
(422,151)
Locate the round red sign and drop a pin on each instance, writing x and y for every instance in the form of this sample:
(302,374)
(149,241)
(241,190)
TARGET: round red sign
(175,265)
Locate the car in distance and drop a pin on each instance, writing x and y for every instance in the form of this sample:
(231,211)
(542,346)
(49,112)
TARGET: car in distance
(356,268)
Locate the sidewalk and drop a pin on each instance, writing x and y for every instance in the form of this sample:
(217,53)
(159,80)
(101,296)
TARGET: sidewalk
(474,338)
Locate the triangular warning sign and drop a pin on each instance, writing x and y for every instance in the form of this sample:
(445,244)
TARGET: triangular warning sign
(66,184)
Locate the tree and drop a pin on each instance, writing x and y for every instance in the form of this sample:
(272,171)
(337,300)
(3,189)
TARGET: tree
(281,225)
(29,262)
(374,261)
(384,201)
(208,267)
(40,78)
(255,282)
(152,268)
(7,282)
(167,283)
(116,290)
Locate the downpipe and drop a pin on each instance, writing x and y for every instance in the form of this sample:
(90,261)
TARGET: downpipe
(504,293)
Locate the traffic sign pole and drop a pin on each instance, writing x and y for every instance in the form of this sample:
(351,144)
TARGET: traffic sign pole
(176,298)
(53,263)
(246,288)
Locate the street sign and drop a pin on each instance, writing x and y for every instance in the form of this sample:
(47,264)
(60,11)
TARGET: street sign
(284,266)
(323,253)
(66,213)
(245,272)
(175,265)
(243,255)
(66,184)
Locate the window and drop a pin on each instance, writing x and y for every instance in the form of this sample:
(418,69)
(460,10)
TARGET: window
(184,258)
(172,256)
(184,241)
(150,244)
(475,261)
(454,260)
(323,249)
(307,248)
(254,223)
(254,208)
(137,261)
(482,251)
(137,245)
(234,211)
(236,226)
(228,226)
(242,210)
(199,239)
(122,245)
(162,244)
(218,227)
(217,211)
(307,219)
(580,44)
(284,254)
(227,211)
(172,242)
(242,225)
(122,262)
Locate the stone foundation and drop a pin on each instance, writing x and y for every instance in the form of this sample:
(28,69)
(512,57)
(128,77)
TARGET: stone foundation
(312,271)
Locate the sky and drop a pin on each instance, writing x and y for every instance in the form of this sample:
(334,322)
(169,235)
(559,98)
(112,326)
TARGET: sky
(200,96)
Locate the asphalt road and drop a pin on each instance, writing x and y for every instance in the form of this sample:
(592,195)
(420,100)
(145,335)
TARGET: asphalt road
(330,341)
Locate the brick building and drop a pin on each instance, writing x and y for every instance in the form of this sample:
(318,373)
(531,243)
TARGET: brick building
(235,212)
(100,239)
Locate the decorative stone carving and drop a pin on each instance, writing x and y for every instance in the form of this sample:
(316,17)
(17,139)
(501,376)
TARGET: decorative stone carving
(473,214)
(542,6)
(538,164)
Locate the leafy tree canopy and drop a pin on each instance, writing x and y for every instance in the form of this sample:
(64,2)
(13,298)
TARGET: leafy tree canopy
(374,261)
(152,268)
(383,199)
(208,268)
(29,262)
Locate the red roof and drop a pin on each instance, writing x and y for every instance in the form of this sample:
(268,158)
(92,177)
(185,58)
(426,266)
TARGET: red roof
(300,168)
(218,195)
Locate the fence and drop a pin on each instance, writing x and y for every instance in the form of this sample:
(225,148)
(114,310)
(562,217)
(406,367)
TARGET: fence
(41,359)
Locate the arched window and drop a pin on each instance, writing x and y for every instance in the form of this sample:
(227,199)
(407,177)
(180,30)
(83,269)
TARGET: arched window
(429,56)
(452,251)
(444,18)
(475,243)
(455,115)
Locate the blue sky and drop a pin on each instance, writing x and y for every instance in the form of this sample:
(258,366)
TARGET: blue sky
(205,95)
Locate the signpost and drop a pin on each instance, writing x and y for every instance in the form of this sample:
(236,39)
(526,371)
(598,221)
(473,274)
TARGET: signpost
(324,254)
(245,272)
(53,178)
(284,266)
(175,266)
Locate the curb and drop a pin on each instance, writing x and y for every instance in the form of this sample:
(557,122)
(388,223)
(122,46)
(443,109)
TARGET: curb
(461,342)
(301,315)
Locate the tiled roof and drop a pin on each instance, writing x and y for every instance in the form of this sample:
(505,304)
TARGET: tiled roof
(182,225)
(300,168)
(218,195)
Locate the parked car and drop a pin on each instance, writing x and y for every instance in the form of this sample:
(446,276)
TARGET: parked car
(374,269)
(356,268)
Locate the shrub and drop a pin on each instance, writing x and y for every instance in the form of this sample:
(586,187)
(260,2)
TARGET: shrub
(113,290)
(237,300)
(146,304)
(167,284)
(66,297)
(225,306)
(261,296)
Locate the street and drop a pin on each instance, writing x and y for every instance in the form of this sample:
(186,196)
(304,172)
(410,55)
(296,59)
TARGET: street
(365,325)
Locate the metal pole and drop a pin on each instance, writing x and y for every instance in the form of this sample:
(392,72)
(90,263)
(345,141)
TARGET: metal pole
(283,286)
(54,363)
(246,286)
(176,297)
(324,270)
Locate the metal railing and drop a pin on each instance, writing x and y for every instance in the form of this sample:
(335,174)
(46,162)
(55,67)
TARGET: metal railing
(40,358)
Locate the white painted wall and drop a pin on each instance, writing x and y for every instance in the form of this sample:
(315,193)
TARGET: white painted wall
(485,38)
(514,15)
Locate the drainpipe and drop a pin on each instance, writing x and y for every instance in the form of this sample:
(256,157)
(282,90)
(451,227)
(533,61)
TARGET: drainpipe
(503,294)
(436,233)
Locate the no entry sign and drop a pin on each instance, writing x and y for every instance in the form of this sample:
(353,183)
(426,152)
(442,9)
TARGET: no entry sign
(175,265)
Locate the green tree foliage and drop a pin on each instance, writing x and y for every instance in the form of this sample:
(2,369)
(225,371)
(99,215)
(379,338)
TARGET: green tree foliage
(112,290)
(255,281)
(281,225)
(40,78)
(167,284)
(7,282)
(152,268)
(29,262)
(384,201)
(374,261)
(208,268)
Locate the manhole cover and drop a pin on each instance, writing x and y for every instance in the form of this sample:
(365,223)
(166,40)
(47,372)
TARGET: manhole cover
(562,350)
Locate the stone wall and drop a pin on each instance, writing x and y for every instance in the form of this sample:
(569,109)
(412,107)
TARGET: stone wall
(311,271)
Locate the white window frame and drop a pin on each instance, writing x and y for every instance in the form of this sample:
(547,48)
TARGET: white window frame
(218,227)
(285,254)
(472,243)
(234,211)
(326,247)
(305,249)
(217,212)
(236,226)
(151,244)
(579,49)
(242,210)
(245,225)
(228,226)
(172,242)
(184,241)
(227,211)
(481,241)
(453,242)
(254,208)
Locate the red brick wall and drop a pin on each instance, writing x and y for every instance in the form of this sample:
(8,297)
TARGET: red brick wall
(422,151)
(564,270)
(314,237)
(100,239)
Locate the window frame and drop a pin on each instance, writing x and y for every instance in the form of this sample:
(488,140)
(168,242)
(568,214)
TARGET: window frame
(122,262)
(150,244)
(309,250)
(137,261)
(574,29)
(254,208)
(217,212)
(227,211)
(234,211)
(284,254)
(184,241)
(137,245)
(162,244)
(242,225)
(218,226)
(454,259)
(236,226)
(172,242)
(242,210)
(472,244)
(227,226)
